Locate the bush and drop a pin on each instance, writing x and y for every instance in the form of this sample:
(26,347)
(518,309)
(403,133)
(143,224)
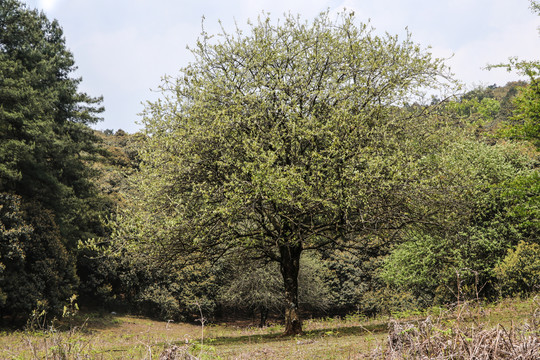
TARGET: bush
(35,267)
(159,302)
(519,272)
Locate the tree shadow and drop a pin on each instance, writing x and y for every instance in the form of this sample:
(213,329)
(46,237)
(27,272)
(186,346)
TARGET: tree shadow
(318,333)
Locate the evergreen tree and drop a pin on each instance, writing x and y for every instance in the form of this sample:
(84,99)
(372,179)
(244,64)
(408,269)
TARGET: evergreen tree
(45,143)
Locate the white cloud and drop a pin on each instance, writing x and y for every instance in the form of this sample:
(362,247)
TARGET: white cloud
(48,5)
(518,40)
(307,8)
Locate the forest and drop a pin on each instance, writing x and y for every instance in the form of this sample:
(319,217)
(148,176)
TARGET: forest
(298,170)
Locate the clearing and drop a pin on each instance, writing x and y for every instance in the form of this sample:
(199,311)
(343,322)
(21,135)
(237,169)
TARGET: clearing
(98,336)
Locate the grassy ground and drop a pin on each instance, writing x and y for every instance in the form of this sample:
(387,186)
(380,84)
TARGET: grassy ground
(127,337)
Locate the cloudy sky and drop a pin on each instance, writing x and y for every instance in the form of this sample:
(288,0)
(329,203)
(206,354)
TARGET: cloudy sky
(124,47)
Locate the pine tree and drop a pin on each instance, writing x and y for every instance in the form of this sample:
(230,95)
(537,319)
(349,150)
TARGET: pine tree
(45,142)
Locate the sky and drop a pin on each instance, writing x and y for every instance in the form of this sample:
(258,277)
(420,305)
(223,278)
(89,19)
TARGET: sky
(123,48)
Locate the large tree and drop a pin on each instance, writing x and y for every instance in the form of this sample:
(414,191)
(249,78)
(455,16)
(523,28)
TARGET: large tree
(45,143)
(44,135)
(290,137)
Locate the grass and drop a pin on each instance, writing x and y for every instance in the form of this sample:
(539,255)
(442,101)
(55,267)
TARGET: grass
(353,337)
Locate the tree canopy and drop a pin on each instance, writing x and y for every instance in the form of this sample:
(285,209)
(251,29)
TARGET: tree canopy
(295,136)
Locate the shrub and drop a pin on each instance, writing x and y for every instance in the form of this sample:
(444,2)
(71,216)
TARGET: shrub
(519,272)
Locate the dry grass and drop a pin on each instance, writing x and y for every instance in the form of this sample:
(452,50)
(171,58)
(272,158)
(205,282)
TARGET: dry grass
(507,329)
(463,337)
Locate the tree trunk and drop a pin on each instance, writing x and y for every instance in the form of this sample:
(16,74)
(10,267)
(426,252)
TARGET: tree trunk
(264,316)
(290,265)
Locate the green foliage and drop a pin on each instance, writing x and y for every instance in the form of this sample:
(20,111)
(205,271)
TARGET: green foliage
(356,285)
(314,293)
(485,110)
(496,197)
(159,302)
(490,216)
(45,140)
(36,267)
(13,234)
(353,279)
(256,286)
(119,159)
(522,202)
(519,271)
(45,147)
(421,265)
(478,112)
(136,283)
(105,279)
(525,124)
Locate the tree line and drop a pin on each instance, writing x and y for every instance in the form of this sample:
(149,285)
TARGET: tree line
(296,167)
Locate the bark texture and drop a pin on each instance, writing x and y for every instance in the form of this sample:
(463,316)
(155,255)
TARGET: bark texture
(290,266)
